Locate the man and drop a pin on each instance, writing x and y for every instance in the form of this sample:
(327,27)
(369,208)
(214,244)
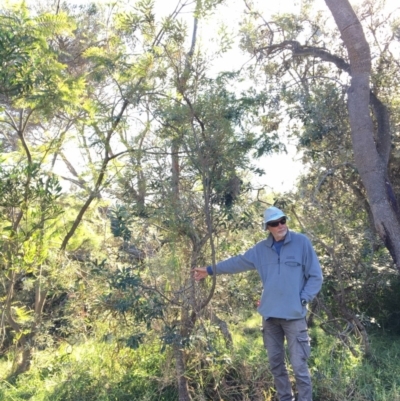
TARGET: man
(291,277)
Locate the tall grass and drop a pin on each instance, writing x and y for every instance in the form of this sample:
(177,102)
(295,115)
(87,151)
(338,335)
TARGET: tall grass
(93,371)
(338,375)
(105,370)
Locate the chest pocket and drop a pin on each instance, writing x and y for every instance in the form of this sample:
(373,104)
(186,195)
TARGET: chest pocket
(292,263)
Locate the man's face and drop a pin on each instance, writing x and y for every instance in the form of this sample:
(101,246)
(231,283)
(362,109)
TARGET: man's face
(278,228)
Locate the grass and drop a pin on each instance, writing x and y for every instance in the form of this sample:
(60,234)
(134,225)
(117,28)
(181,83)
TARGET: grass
(106,371)
(338,375)
(93,371)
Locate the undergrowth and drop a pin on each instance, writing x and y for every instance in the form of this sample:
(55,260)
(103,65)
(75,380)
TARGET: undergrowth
(93,371)
(105,370)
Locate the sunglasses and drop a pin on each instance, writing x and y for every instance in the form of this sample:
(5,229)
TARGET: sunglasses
(276,223)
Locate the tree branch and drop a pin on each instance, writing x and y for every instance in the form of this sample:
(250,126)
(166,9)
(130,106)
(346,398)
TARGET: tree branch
(383,137)
(99,180)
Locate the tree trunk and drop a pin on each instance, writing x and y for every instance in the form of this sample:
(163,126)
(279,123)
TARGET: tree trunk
(23,357)
(183,388)
(175,170)
(25,345)
(370,164)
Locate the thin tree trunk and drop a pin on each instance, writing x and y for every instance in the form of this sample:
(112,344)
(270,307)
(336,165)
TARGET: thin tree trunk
(183,387)
(23,357)
(175,170)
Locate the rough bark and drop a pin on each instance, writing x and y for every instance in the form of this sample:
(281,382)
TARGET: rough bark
(183,388)
(370,164)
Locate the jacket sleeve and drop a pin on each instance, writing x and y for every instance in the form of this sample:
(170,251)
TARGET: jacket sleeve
(237,264)
(312,272)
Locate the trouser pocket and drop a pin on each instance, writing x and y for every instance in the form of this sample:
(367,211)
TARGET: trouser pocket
(304,341)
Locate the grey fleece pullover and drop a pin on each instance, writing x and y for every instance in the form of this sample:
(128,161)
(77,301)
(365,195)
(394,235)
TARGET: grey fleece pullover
(287,278)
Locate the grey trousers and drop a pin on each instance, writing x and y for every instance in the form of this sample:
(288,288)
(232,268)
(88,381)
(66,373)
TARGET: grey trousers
(296,333)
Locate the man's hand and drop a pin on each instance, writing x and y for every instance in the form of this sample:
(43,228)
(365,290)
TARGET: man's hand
(200,273)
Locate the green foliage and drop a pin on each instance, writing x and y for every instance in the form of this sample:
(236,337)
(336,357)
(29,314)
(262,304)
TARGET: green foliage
(183,142)
(36,194)
(105,369)
(120,220)
(33,271)
(128,294)
(77,79)
(14,56)
(303,61)
(383,308)
(338,375)
(42,188)
(31,73)
(236,373)
(96,370)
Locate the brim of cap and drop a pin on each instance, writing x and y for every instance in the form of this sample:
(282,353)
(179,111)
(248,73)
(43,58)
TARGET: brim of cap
(277,218)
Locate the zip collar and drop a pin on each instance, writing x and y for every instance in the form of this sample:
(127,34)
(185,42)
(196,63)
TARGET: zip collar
(270,240)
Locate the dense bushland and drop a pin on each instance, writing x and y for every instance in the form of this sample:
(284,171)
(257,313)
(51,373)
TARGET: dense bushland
(126,162)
